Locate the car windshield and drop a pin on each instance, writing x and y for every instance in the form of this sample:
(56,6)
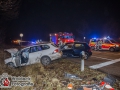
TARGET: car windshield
(113,41)
(68,37)
(93,40)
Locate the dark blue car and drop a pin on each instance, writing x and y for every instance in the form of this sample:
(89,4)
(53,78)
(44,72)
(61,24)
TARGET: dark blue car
(75,49)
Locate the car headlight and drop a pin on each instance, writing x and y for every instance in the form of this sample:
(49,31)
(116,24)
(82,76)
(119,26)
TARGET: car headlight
(117,45)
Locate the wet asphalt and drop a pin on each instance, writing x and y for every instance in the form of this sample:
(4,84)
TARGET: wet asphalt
(99,57)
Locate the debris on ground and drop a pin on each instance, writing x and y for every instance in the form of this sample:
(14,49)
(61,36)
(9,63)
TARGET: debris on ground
(72,76)
(52,77)
(106,84)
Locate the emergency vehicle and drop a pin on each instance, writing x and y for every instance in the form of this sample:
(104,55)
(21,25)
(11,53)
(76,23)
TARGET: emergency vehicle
(107,44)
(63,36)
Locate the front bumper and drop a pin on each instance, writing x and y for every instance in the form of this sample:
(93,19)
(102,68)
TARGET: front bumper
(117,48)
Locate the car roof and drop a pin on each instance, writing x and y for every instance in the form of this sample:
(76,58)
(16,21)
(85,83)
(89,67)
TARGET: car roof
(31,45)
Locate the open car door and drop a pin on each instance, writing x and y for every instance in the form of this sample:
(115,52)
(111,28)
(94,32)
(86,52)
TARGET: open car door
(67,50)
(22,58)
(18,59)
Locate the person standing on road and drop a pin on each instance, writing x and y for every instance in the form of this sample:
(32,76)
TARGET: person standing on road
(60,43)
(99,44)
(96,45)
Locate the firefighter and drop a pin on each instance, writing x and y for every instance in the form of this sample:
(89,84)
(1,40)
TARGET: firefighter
(99,44)
(96,45)
(60,43)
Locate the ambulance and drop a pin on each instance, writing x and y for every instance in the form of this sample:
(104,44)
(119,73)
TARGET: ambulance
(63,36)
(107,44)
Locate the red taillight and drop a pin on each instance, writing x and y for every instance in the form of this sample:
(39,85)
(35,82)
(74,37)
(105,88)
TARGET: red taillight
(89,50)
(55,51)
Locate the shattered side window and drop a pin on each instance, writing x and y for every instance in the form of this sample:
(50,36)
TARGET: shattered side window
(26,50)
(38,48)
(44,47)
(79,46)
(68,46)
(33,49)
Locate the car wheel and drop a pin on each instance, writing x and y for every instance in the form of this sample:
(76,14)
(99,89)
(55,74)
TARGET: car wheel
(86,56)
(11,65)
(112,49)
(45,60)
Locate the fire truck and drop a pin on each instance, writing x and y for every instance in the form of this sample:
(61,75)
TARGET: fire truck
(107,44)
(63,36)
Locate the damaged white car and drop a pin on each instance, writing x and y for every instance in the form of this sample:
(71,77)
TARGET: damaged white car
(43,53)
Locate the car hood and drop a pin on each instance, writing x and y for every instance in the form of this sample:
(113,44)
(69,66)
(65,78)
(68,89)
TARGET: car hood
(8,60)
(12,51)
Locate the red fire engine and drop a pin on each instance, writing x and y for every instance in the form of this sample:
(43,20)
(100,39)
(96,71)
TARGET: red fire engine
(63,36)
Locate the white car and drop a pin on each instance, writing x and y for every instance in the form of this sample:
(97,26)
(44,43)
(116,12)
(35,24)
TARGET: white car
(43,53)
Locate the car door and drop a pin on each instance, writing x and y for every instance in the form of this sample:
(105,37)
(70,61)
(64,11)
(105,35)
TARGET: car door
(24,55)
(106,45)
(46,50)
(35,54)
(18,59)
(68,49)
(78,48)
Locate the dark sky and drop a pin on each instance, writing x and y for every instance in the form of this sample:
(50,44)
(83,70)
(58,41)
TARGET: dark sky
(38,18)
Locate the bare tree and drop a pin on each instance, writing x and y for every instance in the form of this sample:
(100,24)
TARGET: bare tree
(2,34)
(9,10)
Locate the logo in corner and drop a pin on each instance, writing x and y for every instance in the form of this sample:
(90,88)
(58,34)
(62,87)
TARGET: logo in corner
(5,81)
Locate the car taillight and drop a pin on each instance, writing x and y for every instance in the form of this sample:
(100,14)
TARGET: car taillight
(55,51)
(89,50)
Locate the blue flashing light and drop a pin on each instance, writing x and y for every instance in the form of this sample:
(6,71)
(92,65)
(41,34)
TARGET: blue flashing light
(94,38)
(108,37)
(105,38)
(33,42)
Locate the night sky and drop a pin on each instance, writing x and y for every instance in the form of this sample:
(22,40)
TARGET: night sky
(89,18)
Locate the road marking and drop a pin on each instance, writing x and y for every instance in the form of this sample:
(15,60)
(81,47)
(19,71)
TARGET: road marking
(104,64)
(101,57)
(105,52)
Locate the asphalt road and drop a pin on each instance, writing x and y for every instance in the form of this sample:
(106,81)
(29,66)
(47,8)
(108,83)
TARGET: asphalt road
(105,61)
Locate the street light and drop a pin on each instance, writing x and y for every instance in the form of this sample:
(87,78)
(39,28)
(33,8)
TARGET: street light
(84,39)
(21,35)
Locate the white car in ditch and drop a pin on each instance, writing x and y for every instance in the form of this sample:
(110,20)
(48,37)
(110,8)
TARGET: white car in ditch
(43,53)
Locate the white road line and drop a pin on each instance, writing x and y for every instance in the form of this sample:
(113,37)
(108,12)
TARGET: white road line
(107,53)
(104,64)
(101,57)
